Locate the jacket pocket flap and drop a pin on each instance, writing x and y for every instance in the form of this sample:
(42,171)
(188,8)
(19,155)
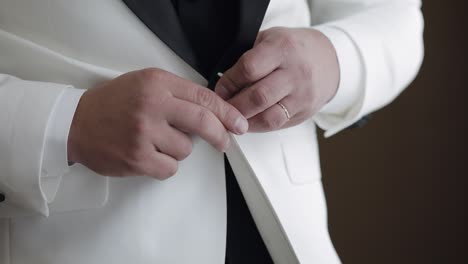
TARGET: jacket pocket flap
(301,159)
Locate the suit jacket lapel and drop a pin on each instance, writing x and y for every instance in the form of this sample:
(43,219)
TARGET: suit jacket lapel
(251,15)
(160,17)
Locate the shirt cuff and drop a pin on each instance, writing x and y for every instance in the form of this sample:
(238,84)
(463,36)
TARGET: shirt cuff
(55,159)
(341,111)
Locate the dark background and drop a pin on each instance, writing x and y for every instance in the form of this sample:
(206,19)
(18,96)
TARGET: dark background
(396,188)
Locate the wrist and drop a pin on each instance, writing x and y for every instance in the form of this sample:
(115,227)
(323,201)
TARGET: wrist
(324,52)
(73,142)
(72,150)
(334,67)
(350,69)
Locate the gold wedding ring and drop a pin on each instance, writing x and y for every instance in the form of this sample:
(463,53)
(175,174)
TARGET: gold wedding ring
(285,110)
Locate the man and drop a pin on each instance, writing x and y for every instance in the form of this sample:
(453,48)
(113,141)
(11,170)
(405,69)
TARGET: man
(95,93)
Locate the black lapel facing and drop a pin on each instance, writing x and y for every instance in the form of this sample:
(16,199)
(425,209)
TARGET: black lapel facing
(251,15)
(161,18)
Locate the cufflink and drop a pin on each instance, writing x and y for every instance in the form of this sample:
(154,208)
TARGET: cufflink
(2,197)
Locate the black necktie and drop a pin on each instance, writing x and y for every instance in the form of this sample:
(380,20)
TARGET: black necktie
(215,34)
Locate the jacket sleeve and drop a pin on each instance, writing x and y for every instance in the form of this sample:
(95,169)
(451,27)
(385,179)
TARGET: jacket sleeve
(379,45)
(25,111)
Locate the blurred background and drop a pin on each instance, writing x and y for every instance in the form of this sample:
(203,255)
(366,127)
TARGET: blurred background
(396,189)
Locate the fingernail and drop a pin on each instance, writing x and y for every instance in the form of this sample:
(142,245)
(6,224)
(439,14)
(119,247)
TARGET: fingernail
(222,91)
(241,125)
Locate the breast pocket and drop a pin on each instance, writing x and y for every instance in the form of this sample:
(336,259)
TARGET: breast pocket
(301,157)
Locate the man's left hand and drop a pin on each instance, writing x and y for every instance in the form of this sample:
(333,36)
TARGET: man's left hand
(292,68)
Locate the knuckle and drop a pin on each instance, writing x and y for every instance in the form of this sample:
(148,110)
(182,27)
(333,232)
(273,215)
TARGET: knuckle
(148,90)
(149,104)
(145,101)
(259,96)
(134,162)
(271,123)
(139,127)
(135,155)
(167,170)
(288,42)
(248,67)
(140,101)
(222,141)
(205,97)
(305,71)
(135,152)
(151,74)
(184,151)
(204,117)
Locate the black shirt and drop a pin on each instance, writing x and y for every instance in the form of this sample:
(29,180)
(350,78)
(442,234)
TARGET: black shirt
(211,27)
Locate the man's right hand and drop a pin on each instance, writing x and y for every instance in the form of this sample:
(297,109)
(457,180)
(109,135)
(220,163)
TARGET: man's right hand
(140,124)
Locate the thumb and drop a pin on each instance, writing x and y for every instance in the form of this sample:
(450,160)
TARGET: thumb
(252,66)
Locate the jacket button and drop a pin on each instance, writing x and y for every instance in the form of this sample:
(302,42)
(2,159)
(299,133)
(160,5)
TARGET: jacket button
(2,197)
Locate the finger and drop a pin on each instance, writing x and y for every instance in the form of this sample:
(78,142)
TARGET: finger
(263,94)
(174,143)
(195,119)
(231,118)
(260,37)
(158,165)
(254,65)
(273,118)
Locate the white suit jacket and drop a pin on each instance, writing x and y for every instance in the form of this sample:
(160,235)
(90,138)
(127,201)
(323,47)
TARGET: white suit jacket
(52,50)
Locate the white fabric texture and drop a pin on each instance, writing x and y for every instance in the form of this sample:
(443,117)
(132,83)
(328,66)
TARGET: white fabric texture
(48,47)
(388,37)
(55,162)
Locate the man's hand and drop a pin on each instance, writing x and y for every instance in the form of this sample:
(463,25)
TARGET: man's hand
(140,124)
(296,67)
